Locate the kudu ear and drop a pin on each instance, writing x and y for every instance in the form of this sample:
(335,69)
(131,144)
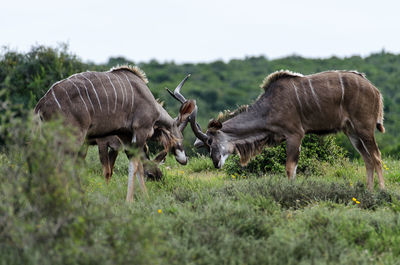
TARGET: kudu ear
(214,124)
(186,109)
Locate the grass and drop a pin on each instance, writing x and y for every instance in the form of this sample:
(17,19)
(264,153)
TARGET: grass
(200,215)
(209,217)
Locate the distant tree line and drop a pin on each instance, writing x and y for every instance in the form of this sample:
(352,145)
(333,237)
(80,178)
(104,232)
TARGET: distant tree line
(216,86)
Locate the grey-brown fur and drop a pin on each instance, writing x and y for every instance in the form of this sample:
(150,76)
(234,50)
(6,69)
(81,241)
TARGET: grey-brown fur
(117,102)
(293,105)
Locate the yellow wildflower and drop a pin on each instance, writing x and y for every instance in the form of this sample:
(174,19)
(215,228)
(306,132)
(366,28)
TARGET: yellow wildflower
(159,211)
(354,199)
(385,166)
(357,202)
(233,176)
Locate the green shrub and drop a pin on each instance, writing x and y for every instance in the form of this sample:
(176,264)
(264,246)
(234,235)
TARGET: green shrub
(314,150)
(26,76)
(45,215)
(298,194)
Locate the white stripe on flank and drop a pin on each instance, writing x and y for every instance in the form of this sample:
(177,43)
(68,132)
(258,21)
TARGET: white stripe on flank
(313,93)
(115,93)
(54,96)
(105,91)
(358,84)
(66,92)
(355,99)
(342,86)
(122,90)
(87,94)
(97,96)
(133,96)
(125,89)
(52,86)
(297,95)
(80,95)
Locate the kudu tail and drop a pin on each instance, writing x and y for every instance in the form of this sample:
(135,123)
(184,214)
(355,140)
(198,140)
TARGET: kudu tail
(379,122)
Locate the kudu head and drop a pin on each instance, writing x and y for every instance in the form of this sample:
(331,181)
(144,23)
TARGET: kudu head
(215,140)
(179,124)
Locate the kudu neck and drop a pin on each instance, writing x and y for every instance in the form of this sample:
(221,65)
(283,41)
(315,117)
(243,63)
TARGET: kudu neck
(164,120)
(244,125)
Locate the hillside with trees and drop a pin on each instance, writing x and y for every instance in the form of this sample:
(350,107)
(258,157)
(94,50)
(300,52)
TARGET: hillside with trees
(217,86)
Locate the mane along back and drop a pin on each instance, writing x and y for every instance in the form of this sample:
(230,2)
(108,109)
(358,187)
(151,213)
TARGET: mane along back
(227,115)
(134,69)
(278,75)
(363,75)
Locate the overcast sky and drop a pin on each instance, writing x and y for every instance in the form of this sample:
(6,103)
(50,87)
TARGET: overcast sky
(202,30)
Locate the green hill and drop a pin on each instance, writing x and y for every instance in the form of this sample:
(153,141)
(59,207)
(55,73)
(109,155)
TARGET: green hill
(217,86)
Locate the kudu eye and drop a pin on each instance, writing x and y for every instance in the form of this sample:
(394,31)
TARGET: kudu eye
(209,141)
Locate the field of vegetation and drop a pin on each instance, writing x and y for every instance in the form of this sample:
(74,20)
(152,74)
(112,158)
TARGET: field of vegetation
(57,209)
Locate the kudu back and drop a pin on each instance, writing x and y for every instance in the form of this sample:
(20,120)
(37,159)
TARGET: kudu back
(291,106)
(117,102)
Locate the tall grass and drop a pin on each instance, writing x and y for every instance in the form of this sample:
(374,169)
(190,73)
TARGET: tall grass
(55,209)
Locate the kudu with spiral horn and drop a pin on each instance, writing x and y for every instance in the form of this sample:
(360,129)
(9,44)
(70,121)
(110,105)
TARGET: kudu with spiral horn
(293,105)
(117,102)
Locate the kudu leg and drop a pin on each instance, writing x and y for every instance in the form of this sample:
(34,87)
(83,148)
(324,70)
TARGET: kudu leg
(375,156)
(104,159)
(133,167)
(293,144)
(140,177)
(378,168)
(362,147)
(112,156)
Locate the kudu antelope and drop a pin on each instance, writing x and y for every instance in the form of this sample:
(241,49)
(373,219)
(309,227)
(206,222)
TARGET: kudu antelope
(109,147)
(117,102)
(291,106)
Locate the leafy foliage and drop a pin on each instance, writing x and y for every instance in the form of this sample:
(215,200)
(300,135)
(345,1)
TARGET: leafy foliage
(314,150)
(216,86)
(27,77)
(46,217)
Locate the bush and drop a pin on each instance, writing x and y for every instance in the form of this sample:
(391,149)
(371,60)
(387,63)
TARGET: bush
(45,215)
(26,77)
(314,150)
(39,187)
